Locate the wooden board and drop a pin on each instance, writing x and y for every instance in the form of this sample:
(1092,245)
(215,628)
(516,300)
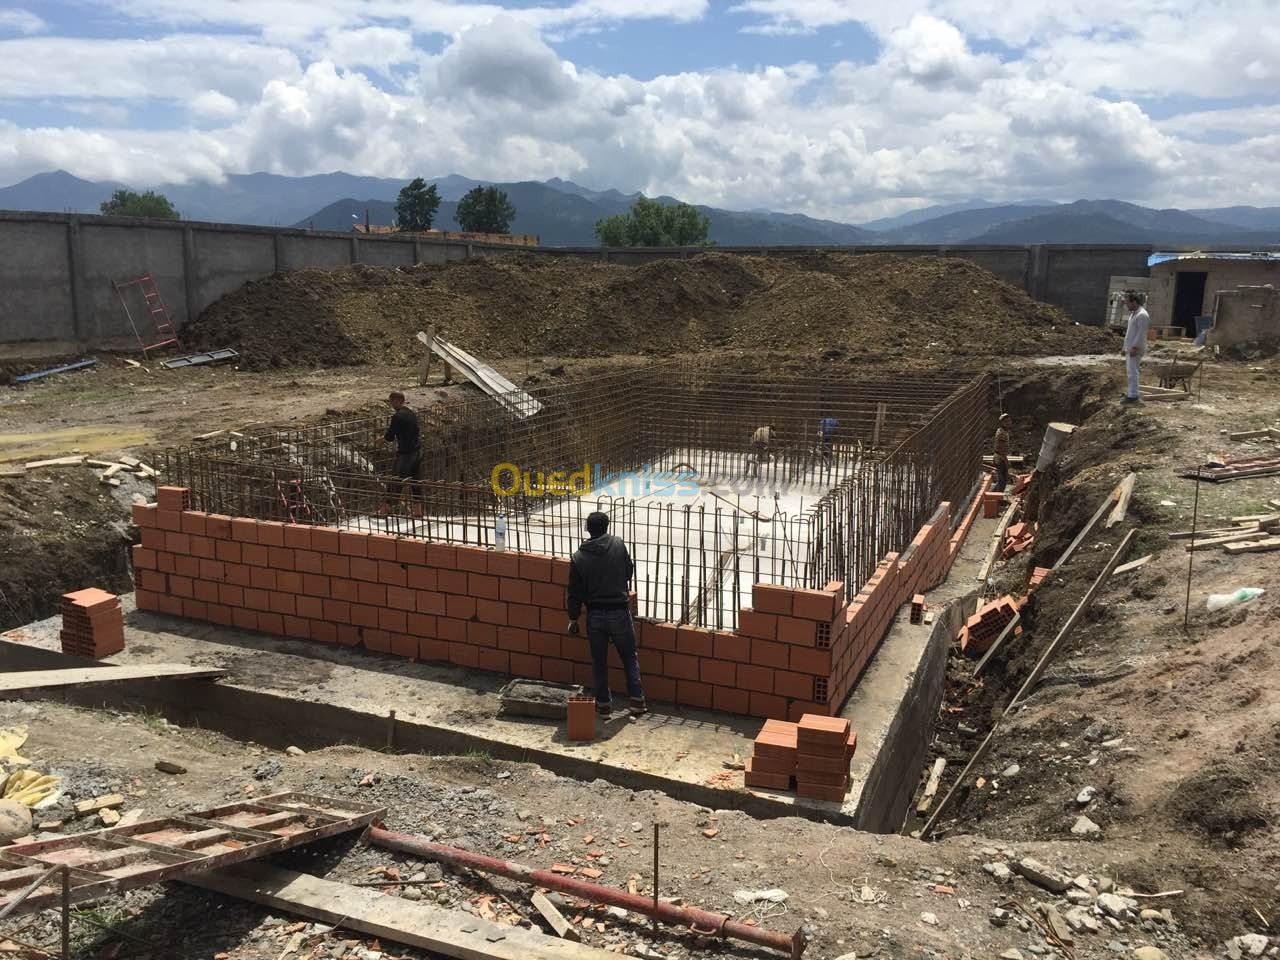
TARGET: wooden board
(79,676)
(1132,565)
(1254,546)
(450,933)
(1122,501)
(1107,504)
(1220,541)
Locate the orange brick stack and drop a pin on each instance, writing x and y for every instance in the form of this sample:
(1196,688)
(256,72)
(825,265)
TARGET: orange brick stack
(1017,538)
(773,764)
(992,503)
(822,763)
(1037,577)
(985,626)
(92,623)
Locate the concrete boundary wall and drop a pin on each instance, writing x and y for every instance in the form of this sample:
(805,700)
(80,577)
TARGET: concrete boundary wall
(55,281)
(796,651)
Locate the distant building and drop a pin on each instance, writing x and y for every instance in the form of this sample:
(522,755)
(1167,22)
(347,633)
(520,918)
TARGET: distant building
(508,239)
(1184,286)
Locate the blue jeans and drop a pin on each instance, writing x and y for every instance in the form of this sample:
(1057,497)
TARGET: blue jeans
(613,626)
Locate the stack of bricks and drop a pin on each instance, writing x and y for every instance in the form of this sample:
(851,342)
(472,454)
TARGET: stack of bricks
(92,623)
(824,748)
(992,504)
(1038,575)
(1017,538)
(795,651)
(773,764)
(982,629)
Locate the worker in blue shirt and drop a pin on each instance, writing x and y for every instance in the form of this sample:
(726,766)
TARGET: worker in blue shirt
(827,428)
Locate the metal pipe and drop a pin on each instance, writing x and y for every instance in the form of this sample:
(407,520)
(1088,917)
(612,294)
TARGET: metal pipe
(700,921)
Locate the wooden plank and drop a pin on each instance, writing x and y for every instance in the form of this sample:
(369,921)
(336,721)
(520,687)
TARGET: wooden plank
(1005,634)
(1212,542)
(1122,501)
(931,787)
(1076,616)
(56,462)
(450,933)
(80,676)
(1131,565)
(1153,397)
(1107,504)
(100,803)
(1254,546)
(563,928)
(997,544)
(1214,532)
(1256,519)
(1250,434)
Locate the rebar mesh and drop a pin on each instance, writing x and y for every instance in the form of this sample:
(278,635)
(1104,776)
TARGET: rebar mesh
(806,513)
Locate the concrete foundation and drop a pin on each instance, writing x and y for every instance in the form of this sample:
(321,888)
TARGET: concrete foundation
(280,691)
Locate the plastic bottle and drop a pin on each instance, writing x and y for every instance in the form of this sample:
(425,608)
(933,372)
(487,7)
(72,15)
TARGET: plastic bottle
(500,534)
(1217,601)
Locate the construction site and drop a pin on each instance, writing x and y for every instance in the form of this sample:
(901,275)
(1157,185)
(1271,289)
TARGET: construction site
(266,698)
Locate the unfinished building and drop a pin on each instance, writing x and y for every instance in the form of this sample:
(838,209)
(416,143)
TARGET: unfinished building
(763,585)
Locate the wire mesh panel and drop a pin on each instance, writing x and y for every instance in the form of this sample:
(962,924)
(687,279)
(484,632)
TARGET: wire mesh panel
(665,450)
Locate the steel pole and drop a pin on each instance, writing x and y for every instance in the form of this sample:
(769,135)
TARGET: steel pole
(699,921)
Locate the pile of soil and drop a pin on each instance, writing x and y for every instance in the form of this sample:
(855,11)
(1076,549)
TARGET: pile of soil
(878,305)
(59,531)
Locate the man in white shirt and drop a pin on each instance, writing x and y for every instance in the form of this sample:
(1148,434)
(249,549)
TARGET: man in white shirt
(1135,342)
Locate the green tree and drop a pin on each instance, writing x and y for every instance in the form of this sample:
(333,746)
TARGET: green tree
(127,203)
(485,210)
(653,224)
(416,205)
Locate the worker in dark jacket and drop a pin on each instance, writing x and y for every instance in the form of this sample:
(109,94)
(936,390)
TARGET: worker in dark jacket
(599,576)
(403,431)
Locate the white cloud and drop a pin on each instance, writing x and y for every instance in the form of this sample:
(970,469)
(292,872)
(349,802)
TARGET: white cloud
(935,115)
(211,103)
(18,20)
(180,66)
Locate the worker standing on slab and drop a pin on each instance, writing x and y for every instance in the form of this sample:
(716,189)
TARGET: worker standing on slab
(827,428)
(1135,342)
(404,432)
(761,442)
(1001,458)
(599,577)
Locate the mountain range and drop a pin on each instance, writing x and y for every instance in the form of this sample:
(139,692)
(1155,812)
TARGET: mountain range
(564,213)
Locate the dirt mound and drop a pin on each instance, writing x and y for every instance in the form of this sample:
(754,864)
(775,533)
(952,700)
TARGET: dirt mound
(1220,799)
(878,305)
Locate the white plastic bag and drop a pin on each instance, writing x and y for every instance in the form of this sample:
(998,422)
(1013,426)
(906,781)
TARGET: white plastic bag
(1217,601)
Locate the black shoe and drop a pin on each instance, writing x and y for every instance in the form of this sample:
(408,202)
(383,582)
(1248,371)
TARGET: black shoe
(638,705)
(604,709)
(1130,399)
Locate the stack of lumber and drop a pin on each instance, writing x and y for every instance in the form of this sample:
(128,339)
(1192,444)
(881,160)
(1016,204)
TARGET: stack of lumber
(1253,533)
(1227,468)
(109,470)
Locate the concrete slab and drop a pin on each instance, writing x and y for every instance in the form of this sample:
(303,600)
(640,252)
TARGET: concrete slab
(279,691)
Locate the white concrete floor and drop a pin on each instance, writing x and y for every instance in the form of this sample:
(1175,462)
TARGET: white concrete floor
(698,544)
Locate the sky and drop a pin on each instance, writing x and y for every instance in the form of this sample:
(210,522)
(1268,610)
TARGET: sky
(842,109)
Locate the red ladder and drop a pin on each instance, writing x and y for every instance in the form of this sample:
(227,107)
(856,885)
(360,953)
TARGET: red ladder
(153,303)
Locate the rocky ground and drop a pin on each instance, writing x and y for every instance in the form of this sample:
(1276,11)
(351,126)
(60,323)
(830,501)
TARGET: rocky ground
(1165,739)
(854,894)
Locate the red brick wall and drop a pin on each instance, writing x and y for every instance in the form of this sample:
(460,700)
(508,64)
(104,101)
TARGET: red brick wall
(795,651)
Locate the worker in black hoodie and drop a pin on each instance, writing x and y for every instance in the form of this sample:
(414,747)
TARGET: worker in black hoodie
(598,577)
